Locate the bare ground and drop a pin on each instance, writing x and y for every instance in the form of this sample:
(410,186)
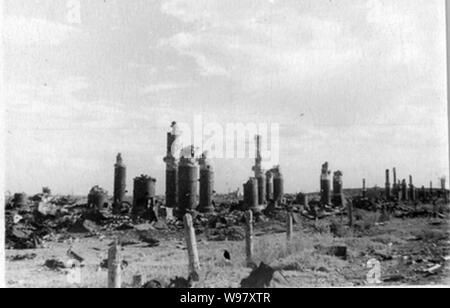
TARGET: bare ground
(406,249)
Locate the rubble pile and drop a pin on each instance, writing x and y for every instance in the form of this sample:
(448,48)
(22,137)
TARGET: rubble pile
(41,219)
(400,209)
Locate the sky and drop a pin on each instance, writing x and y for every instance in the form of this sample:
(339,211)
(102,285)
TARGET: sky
(358,83)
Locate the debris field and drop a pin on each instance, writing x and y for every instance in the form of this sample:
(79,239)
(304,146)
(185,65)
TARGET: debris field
(395,235)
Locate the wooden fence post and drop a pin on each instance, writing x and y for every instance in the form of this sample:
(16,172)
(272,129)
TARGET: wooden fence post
(290,225)
(194,261)
(114,267)
(249,237)
(350,214)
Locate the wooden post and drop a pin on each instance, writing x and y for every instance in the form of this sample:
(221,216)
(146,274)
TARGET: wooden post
(249,237)
(194,261)
(344,204)
(290,226)
(350,214)
(114,267)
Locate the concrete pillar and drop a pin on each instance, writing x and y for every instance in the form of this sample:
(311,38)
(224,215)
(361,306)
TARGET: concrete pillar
(206,185)
(338,188)
(120,183)
(325,185)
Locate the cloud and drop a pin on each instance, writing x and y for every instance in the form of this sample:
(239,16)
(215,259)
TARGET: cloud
(162,87)
(259,43)
(363,73)
(23,31)
(188,45)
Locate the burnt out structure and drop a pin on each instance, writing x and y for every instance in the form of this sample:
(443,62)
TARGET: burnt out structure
(120,182)
(338,188)
(444,192)
(171,169)
(404,194)
(423,194)
(364,189)
(278,185)
(206,185)
(187,185)
(98,198)
(388,185)
(325,185)
(20,200)
(144,194)
(269,186)
(394,183)
(251,194)
(412,190)
(259,173)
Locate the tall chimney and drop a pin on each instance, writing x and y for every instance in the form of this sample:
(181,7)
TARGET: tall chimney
(388,185)
(338,188)
(325,185)
(259,173)
(171,169)
(206,185)
(120,183)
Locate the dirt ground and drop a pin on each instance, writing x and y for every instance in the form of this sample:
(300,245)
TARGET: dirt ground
(410,251)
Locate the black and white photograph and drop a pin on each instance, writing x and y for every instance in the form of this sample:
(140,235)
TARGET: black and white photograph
(231,145)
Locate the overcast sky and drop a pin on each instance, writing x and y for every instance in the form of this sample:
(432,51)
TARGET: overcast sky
(369,78)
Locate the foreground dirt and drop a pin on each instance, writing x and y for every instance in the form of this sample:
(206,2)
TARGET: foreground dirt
(407,250)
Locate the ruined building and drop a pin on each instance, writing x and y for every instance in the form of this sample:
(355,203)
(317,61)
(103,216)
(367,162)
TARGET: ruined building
(404,191)
(171,169)
(388,185)
(259,173)
(364,189)
(325,185)
(206,185)
(412,189)
(278,185)
(269,186)
(395,188)
(98,198)
(120,182)
(187,185)
(144,194)
(251,194)
(338,188)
